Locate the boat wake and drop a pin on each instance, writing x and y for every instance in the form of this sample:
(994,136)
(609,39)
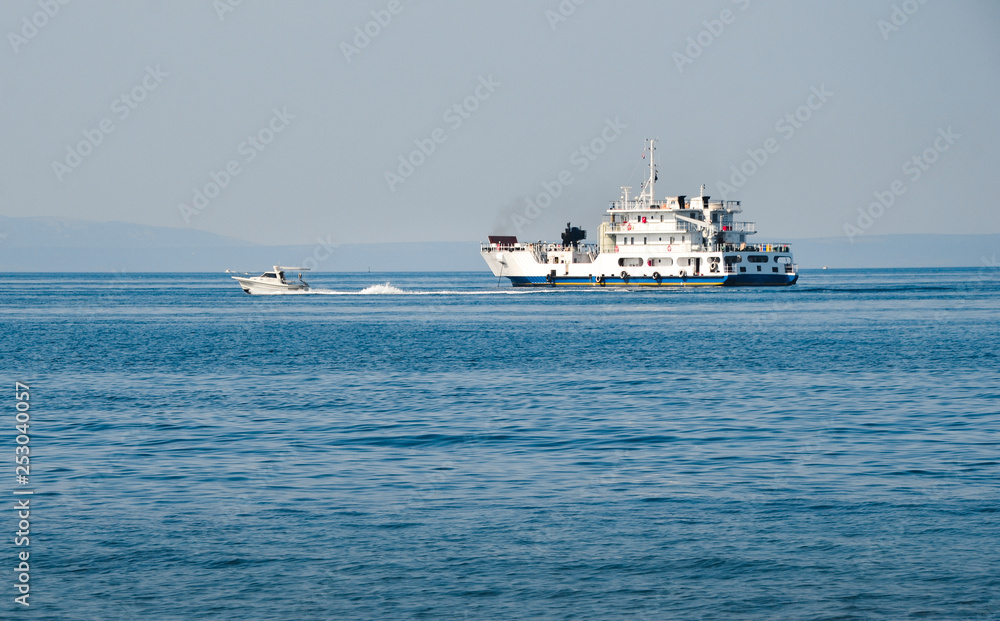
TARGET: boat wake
(385,289)
(389,289)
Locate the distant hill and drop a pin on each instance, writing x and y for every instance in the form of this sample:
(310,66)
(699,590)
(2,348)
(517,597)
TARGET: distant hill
(71,233)
(897,251)
(68,245)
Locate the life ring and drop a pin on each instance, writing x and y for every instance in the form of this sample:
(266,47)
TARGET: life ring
(668,248)
(616,248)
(625,276)
(649,263)
(657,277)
(628,227)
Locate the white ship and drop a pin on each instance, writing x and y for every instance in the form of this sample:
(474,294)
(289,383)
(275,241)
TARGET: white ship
(675,241)
(273,281)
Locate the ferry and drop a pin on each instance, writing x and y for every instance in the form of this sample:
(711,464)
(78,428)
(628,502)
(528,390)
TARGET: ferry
(273,281)
(676,241)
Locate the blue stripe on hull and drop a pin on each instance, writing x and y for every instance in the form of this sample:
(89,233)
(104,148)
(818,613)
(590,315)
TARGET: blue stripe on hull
(731,280)
(638,281)
(761,280)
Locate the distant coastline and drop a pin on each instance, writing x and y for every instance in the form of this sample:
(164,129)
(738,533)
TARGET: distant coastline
(67,245)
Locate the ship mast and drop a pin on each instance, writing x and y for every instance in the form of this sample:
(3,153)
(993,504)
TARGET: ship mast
(647,197)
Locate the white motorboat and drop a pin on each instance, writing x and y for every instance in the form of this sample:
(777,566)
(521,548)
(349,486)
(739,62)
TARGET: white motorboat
(273,281)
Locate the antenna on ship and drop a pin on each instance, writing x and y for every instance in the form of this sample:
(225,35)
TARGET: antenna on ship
(648,195)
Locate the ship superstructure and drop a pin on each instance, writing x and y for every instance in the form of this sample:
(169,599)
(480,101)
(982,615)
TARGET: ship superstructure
(643,241)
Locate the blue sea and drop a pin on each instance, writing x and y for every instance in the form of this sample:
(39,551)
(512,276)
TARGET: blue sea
(436,446)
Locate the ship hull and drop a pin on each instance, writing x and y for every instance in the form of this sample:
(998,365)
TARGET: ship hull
(523,270)
(729,280)
(254,286)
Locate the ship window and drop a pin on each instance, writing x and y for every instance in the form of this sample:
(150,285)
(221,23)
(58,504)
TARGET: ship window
(758,268)
(757,258)
(671,240)
(663,261)
(684,261)
(774,269)
(644,240)
(269,275)
(783,259)
(743,269)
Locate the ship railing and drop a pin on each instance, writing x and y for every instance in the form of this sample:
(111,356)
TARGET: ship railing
(487,247)
(623,227)
(562,248)
(672,203)
(781,247)
(740,227)
(540,245)
(621,205)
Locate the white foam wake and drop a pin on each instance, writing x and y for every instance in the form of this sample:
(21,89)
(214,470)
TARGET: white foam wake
(385,289)
(389,289)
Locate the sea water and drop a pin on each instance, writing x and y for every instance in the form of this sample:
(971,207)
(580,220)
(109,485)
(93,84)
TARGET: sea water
(442,446)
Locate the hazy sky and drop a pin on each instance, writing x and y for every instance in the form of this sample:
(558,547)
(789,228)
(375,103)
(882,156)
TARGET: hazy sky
(293,120)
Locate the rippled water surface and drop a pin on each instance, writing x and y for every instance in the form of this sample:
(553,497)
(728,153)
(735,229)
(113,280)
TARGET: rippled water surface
(432,446)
